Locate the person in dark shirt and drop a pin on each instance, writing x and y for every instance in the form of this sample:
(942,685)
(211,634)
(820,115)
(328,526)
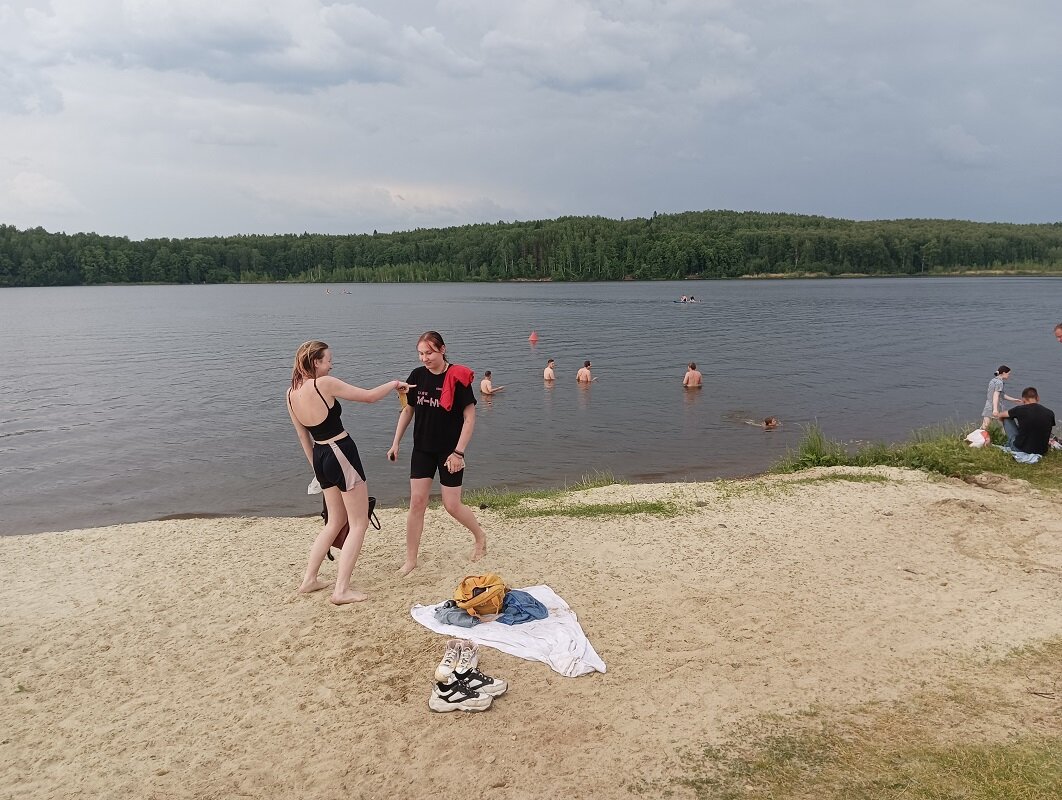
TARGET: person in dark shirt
(1029,425)
(442,407)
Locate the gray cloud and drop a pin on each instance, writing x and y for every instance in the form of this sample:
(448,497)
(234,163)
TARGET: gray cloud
(198,117)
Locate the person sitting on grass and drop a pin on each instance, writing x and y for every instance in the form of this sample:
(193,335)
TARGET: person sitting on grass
(1028,426)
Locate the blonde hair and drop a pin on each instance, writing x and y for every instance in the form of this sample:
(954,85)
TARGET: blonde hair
(305,358)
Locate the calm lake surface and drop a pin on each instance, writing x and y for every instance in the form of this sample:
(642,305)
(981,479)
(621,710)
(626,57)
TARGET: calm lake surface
(130,403)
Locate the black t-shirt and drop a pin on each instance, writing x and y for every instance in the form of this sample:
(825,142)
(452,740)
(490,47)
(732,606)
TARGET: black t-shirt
(1034,427)
(436,430)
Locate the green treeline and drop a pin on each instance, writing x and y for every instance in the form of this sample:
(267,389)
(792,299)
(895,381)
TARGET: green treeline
(704,244)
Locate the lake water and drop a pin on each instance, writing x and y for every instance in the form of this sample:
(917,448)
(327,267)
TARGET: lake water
(129,403)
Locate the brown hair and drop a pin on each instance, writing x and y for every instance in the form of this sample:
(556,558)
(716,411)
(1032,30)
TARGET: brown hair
(435,340)
(305,358)
(770,422)
(1030,393)
(1002,368)
(693,365)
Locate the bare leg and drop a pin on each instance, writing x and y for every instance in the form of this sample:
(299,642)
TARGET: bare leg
(419,490)
(356,502)
(337,518)
(451,496)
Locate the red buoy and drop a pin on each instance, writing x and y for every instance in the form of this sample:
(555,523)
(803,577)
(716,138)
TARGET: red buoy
(533,337)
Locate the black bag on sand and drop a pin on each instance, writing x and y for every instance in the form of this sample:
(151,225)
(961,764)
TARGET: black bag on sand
(342,535)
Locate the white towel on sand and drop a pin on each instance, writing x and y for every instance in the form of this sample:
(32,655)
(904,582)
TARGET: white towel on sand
(557,640)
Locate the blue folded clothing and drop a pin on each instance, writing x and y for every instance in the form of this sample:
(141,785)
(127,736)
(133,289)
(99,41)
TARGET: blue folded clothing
(520,607)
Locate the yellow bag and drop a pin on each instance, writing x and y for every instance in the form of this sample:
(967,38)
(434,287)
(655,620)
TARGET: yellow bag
(480,594)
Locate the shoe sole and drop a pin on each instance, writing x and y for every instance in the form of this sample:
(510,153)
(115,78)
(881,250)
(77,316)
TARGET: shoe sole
(440,706)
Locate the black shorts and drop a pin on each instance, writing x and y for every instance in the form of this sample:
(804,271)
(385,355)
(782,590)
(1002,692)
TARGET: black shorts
(338,464)
(424,465)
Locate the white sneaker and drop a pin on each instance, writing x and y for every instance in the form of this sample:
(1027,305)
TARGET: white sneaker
(484,684)
(468,658)
(451,654)
(456,696)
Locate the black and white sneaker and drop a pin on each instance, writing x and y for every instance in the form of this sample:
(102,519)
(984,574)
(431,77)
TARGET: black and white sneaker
(484,684)
(456,696)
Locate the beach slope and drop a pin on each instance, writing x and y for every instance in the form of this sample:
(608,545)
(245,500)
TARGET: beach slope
(172,659)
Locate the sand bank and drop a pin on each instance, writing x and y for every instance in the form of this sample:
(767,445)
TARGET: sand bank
(171,659)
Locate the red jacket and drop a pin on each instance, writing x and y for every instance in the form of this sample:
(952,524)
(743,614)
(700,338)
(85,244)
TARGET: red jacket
(457,373)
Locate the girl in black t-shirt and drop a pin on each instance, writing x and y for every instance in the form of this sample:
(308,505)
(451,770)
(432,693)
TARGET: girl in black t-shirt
(442,406)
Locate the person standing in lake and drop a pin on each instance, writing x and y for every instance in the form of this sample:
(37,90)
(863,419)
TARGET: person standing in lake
(313,405)
(693,378)
(548,374)
(583,375)
(996,396)
(486,386)
(443,412)
(1058,332)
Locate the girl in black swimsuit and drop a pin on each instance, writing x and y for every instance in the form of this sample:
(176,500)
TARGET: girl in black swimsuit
(314,395)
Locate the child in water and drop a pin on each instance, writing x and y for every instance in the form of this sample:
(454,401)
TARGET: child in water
(768,423)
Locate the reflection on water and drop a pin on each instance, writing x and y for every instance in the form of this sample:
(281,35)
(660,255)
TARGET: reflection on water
(179,399)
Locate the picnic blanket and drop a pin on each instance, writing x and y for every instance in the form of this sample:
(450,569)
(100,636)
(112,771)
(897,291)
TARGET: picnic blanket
(558,640)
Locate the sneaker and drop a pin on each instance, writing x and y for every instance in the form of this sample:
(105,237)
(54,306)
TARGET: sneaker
(456,696)
(484,684)
(451,654)
(468,657)
(466,672)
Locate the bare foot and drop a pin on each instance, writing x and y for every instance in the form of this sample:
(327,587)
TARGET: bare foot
(313,586)
(349,596)
(407,568)
(479,550)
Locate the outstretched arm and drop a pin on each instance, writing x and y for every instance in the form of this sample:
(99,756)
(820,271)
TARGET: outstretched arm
(345,391)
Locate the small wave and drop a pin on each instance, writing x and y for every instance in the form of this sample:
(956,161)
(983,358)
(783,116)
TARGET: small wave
(22,433)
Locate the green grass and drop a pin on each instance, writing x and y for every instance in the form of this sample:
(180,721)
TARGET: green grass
(850,477)
(941,450)
(661,508)
(522,505)
(982,738)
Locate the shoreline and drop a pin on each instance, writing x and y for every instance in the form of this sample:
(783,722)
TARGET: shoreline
(756,276)
(182,640)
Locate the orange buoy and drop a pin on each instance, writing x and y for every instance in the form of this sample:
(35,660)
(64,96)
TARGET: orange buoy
(533,337)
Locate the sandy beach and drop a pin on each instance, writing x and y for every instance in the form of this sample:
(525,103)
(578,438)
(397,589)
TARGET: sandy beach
(172,659)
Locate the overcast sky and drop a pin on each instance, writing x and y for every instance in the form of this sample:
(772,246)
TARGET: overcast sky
(182,118)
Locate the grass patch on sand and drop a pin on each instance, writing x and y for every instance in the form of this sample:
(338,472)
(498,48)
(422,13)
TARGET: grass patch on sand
(941,450)
(661,508)
(992,736)
(849,477)
(536,503)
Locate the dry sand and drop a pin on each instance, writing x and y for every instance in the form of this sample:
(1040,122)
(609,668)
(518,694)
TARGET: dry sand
(171,659)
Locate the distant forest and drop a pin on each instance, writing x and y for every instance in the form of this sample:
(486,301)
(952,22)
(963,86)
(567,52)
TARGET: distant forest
(704,244)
